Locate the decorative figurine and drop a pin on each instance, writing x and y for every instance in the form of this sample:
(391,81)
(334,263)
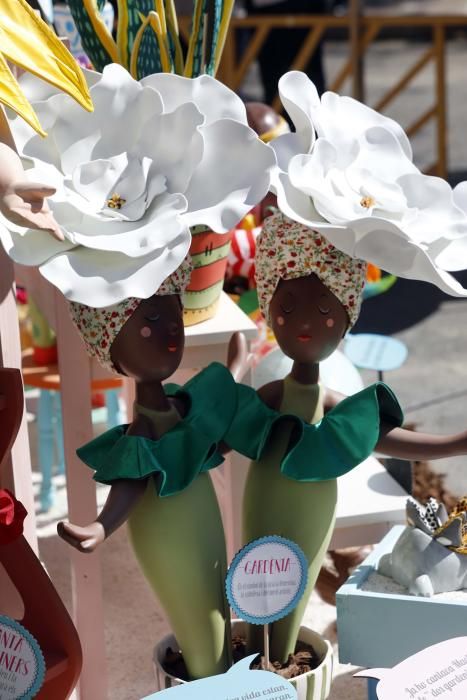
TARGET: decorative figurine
(157,466)
(352,191)
(156,157)
(430,555)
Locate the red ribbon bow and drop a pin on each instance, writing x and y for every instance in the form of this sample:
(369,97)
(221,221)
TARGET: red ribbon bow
(12,515)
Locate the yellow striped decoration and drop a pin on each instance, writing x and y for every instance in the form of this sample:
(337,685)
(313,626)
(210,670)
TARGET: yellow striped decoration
(227,9)
(172,28)
(153,20)
(100,29)
(163,39)
(193,38)
(122,33)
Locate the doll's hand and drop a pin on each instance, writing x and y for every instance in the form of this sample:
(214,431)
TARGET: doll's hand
(23,203)
(85,539)
(239,360)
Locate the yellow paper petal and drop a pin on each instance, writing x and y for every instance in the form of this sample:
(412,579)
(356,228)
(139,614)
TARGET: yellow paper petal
(28,42)
(12,96)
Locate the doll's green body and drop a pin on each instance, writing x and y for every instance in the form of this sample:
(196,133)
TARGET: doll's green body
(179,544)
(277,505)
(176,527)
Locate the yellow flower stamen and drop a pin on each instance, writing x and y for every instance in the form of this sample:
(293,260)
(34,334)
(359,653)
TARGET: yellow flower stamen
(367,202)
(115,202)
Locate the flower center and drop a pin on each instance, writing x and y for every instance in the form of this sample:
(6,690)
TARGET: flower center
(367,202)
(115,201)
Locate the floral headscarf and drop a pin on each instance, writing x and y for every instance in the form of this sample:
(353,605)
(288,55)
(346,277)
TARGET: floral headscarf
(287,250)
(99,327)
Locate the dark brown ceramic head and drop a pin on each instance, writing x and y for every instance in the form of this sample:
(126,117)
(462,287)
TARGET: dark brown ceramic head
(308,320)
(150,345)
(265,120)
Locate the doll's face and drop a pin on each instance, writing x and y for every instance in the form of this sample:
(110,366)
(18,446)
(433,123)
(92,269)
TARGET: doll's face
(150,345)
(308,320)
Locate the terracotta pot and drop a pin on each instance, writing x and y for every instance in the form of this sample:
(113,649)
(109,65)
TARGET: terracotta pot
(314,685)
(209,252)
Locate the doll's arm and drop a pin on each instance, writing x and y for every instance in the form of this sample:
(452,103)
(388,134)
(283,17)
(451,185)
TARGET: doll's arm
(123,496)
(239,360)
(408,444)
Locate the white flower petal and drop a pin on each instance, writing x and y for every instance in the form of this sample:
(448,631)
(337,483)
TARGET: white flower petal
(30,246)
(380,152)
(94,134)
(161,224)
(295,204)
(103,279)
(175,145)
(286,147)
(391,249)
(449,255)
(438,216)
(213,99)
(301,100)
(95,179)
(228,181)
(459,194)
(339,116)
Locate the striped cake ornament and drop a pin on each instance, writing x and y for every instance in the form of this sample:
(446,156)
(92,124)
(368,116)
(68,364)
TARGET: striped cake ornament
(209,253)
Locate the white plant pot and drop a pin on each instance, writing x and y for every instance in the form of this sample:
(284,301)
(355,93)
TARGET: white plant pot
(314,685)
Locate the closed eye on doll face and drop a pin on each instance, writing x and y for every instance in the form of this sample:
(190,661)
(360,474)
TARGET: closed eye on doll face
(324,304)
(287,302)
(156,317)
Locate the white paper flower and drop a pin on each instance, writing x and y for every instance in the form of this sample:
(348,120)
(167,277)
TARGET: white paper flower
(154,158)
(355,182)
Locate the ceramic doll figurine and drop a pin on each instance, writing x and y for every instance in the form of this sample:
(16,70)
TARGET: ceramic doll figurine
(348,193)
(310,293)
(157,466)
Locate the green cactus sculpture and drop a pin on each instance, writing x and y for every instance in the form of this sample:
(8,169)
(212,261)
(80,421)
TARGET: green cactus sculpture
(148,37)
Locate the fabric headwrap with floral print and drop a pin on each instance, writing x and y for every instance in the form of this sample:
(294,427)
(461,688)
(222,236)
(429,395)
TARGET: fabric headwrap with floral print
(99,327)
(286,249)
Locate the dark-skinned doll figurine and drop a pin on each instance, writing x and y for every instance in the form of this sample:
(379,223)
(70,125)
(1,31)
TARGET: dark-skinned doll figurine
(348,193)
(157,156)
(156,467)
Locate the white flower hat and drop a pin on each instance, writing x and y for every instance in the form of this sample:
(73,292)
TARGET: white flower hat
(347,172)
(154,158)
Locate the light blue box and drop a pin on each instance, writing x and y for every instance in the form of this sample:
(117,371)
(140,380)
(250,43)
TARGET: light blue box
(379,630)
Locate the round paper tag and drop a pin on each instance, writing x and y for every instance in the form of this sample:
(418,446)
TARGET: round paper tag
(266,579)
(22,666)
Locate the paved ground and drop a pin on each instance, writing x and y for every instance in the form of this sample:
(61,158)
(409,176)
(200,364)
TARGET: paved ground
(432,386)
